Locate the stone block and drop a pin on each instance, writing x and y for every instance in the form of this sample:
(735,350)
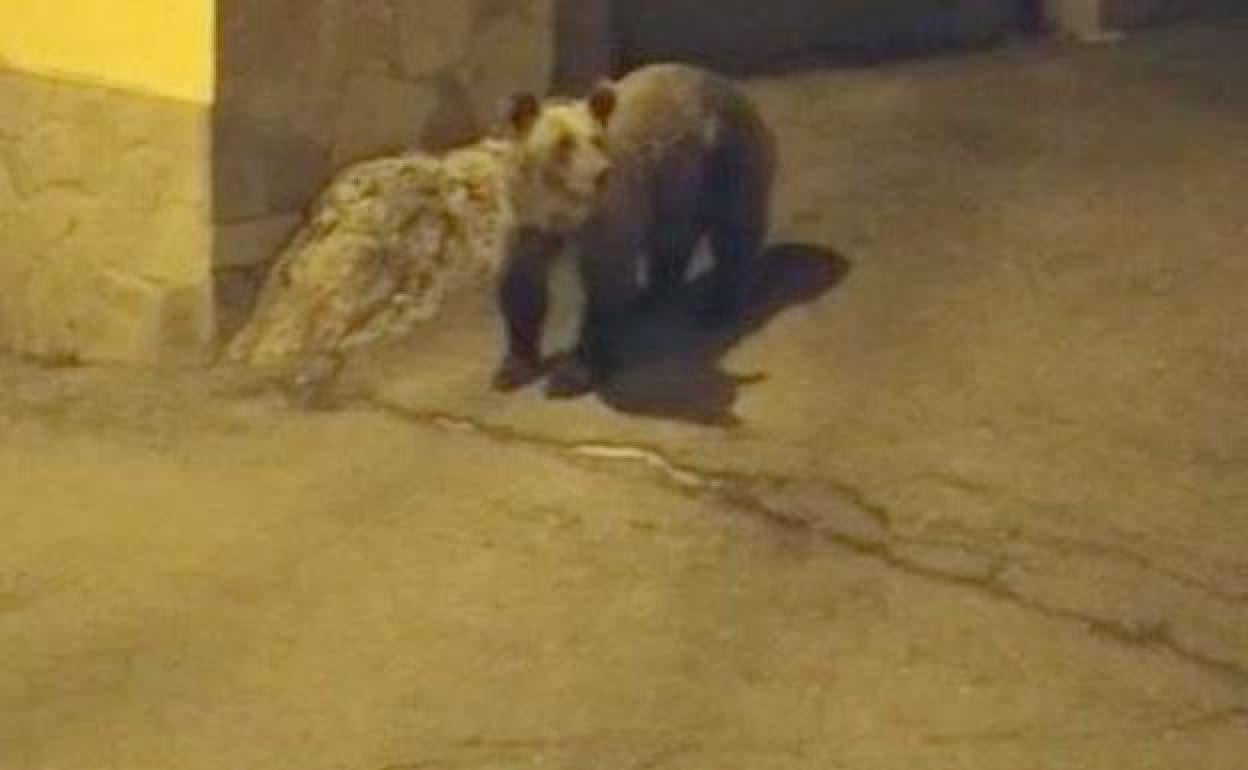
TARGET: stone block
(105,238)
(380,116)
(512,50)
(305,88)
(585,44)
(264,166)
(278,83)
(303,84)
(454,119)
(68,310)
(434,35)
(251,242)
(128,318)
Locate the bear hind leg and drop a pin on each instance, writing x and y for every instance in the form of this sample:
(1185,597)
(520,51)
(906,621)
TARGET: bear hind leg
(738,216)
(737,240)
(671,246)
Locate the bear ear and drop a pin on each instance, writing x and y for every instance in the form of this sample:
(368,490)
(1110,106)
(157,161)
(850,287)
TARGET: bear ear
(522,111)
(602,101)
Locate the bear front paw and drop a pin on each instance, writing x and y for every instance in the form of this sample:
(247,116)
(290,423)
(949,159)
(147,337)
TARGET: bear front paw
(716,313)
(514,373)
(570,379)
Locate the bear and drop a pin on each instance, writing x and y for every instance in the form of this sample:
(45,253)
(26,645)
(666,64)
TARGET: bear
(690,156)
(389,238)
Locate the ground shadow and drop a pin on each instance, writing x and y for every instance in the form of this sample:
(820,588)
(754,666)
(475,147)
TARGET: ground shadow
(671,366)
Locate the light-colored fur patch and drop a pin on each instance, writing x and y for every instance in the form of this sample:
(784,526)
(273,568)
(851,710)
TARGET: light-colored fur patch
(562,161)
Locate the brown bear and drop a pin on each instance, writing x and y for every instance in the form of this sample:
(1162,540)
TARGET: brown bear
(690,156)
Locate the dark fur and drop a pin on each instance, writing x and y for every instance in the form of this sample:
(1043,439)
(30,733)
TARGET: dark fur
(691,158)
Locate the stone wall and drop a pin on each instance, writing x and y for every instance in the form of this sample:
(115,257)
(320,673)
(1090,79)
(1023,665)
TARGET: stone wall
(586,47)
(104,225)
(137,219)
(121,211)
(306,86)
(104,167)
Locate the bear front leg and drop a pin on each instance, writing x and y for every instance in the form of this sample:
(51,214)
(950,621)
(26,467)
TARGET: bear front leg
(522,299)
(609,278)
(592,361)
(670,249)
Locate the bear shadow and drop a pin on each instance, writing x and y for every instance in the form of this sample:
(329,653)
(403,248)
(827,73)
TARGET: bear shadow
(671,366)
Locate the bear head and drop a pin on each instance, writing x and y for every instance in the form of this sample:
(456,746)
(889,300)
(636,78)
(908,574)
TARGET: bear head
(562,163)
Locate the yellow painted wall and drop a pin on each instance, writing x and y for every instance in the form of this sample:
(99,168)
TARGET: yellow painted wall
(152,46)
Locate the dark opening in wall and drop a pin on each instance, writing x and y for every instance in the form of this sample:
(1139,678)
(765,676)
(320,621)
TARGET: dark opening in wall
(745,36)
(742,37)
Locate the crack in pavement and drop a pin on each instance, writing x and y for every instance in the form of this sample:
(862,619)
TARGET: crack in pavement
(1109,551)
(1094,548)
(741,492)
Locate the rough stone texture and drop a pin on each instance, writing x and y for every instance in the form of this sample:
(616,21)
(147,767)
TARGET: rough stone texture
(116,210)
(375,109)
(307,86)
(585,43)
(433,35)
(383,246)
(252,242)
(454,121)
(244,252)
(745,35)
(104,225)
(512,50)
